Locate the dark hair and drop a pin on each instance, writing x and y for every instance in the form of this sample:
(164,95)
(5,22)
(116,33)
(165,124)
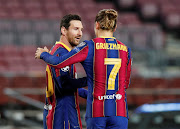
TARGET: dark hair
(65,21)
(107,19)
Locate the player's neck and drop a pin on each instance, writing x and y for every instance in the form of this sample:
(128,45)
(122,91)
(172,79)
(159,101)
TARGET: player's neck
(104,33)
(64,40)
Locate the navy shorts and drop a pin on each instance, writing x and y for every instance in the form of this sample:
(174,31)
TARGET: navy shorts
(61,119)
(112,122)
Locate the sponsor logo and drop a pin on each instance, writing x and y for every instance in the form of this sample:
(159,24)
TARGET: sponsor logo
(117,96)
(65,69)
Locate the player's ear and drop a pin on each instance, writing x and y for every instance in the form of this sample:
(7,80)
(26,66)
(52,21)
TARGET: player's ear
(63,30)
(97,25)
(115,28)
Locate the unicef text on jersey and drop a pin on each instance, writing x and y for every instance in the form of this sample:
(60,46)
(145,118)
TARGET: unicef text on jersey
(117,96)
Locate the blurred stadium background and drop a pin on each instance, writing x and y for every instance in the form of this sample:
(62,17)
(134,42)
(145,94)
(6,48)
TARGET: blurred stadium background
(150,27)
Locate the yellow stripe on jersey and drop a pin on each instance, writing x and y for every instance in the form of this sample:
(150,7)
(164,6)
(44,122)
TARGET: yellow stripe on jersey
(69,49)
(107,37)
(49,89)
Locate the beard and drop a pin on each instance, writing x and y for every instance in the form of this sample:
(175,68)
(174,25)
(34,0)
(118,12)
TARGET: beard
(73,41)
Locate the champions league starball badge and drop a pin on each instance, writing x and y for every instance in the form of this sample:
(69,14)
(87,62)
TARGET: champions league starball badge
(65,69)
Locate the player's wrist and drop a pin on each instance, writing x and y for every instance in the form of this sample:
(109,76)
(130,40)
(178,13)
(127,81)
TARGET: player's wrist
(43,54)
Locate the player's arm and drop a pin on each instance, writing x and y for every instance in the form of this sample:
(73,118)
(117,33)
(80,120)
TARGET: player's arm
(128,73)
(69,82)
(82,93)
(78,54)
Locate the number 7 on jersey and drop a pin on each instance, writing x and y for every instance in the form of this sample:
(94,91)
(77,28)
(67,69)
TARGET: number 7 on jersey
(117,65)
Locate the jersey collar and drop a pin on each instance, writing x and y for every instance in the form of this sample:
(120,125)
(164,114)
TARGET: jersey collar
(69,49)
(107,37)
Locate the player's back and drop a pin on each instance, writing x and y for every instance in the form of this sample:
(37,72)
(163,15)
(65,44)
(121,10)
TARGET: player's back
(106,67)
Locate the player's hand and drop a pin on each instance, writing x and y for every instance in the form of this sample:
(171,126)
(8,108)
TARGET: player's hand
(39,51)
(46,50)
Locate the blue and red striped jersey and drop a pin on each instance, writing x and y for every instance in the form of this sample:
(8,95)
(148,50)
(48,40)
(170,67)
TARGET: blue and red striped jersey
(107,63)
(61,98)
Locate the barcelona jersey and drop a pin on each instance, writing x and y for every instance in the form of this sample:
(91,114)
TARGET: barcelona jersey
(107,63)
(62,108)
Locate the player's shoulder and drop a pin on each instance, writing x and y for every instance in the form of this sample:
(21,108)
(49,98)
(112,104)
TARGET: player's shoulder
(58,49)
(83,44)
(128,48)
(59,46)
(80,46)
(89,42)
(119,42)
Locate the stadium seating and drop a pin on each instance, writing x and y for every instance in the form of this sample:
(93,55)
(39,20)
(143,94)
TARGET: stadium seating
(40,82)
(41,26)
(138,82)
(126,3)
(18,14)
(23,26)
(166,11)
(28,38)
(4,83)
(6,26)
(175,83)
(47,38)
(22,82)
(36,14)
(13,4)
(27,50)
(157,83)
(54,14)
(142,99)
(4,13)
(7,38)
(129,18)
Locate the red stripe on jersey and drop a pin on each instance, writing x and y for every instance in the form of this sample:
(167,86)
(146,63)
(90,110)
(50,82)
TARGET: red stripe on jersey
(68,125)
(57,70)
(50,116)
(52,53)
(74,71)
(76,101)
(78,57)
(121,104)
(55,48)
(78,109)
(99,80)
